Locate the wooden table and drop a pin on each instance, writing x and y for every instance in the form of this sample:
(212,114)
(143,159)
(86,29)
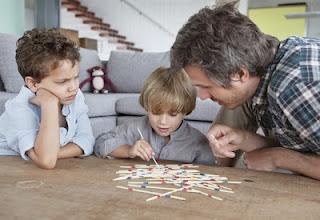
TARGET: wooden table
(83,189)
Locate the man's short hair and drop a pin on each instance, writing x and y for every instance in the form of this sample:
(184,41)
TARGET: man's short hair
(40,50)
(165,90)
(221,41)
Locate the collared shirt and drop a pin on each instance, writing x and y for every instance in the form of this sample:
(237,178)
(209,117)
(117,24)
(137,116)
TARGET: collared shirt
(20,122)
(287,100)
(187,144)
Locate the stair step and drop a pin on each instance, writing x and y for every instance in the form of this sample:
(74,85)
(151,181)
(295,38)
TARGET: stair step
(71,1)
(101,25)
(108,34)
(85,15)
(121,41)
(98,20)
(88,13)
(78,8)
(99,28)
(93,22)
(134,49)
(67,3)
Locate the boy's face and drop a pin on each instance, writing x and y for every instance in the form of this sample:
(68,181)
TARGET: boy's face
(166,122)
(63,82)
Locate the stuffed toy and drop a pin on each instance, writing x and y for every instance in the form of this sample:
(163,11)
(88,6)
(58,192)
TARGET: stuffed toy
(98,80)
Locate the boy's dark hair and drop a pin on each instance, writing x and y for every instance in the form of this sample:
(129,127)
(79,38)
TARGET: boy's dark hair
(221,41)
(40,51)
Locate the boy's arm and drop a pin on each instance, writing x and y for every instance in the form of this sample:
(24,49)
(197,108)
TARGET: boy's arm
(70,150)
(84,137)
(121,151)
(117,141)
(47,143)
(140,149)
(113,143)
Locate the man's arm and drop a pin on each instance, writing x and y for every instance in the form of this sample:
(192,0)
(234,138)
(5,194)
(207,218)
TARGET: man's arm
(268,159)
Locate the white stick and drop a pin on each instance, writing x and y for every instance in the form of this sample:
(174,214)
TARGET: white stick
(149,192)
(168,193)
(151,187)
(152,155)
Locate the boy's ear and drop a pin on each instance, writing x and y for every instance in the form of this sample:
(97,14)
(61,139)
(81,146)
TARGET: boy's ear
(31,83)
(243,75)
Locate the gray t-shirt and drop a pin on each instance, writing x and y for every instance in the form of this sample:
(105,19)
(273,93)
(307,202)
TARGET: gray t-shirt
(186,145)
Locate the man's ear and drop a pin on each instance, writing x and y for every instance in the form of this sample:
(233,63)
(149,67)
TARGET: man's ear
(31,83)
(242,75)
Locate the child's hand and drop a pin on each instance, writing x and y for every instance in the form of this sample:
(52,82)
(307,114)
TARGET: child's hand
(43,97)
(141,149)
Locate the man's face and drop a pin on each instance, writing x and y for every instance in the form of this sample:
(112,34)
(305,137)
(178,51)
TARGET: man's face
(166,122)
(239,90)
(63,82)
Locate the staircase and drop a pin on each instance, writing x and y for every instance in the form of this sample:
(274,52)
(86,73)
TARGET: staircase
(77,17)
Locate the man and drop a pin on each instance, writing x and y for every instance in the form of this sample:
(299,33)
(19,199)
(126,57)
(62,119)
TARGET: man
(260,82)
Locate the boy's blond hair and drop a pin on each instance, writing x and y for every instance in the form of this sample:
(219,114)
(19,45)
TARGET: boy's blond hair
(165,90)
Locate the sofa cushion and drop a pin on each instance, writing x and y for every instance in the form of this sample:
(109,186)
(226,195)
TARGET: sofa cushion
(206,110)
(9,74)
(89,59)
(103,104)
(102,124)
(128,70)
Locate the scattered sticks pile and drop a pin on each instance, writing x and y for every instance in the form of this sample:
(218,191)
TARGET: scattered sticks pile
(172,178)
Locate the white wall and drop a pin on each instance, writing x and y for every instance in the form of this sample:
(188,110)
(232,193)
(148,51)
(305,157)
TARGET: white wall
(171,15)
(137,27)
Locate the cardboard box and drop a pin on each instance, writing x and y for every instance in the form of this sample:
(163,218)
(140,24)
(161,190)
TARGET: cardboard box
(88,43)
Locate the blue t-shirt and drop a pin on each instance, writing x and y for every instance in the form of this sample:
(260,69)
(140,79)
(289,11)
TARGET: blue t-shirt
(20,122)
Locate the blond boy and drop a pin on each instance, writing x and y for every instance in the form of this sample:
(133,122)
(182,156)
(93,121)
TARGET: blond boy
(167,97)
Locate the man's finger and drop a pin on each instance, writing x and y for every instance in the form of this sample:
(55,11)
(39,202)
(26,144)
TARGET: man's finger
(231,147)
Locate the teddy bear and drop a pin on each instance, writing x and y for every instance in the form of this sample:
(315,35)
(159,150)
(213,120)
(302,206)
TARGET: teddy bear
(98,80)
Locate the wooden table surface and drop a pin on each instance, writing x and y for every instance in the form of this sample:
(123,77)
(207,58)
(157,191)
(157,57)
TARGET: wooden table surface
(83,189)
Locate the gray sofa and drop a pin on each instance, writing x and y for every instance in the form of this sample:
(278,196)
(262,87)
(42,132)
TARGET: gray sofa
(127,71)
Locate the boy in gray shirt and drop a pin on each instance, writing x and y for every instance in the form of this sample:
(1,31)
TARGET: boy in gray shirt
(167,97)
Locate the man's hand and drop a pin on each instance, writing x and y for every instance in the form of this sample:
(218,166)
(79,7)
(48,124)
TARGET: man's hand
(225,140)
(141,149)
(44,96)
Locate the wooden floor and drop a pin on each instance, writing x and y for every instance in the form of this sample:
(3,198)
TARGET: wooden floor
(83,189)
